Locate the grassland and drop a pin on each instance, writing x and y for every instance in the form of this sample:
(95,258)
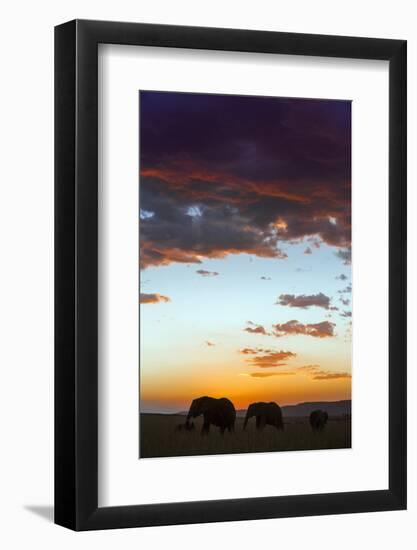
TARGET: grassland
(159,438)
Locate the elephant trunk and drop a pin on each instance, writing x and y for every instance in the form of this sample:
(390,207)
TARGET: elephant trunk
(189,415)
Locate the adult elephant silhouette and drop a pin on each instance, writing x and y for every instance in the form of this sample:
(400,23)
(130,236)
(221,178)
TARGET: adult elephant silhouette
(219,412)
(265,413)
(318,420)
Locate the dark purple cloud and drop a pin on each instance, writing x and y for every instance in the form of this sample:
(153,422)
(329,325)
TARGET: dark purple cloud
(227,175)
(324,329)
(304,301)
(253,328)
(346,314)
(205,273)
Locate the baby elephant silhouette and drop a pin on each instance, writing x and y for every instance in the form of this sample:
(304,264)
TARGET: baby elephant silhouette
(318,420)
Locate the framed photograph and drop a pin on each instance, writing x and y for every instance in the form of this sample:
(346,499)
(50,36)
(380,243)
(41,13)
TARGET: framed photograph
(230,244)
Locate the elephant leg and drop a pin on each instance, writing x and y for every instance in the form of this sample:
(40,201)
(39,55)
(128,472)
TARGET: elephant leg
(222,429)
(231,428)
(262,423)
(258,422)
(206,428)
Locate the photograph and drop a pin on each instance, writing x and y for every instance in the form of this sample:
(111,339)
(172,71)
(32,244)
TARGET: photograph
(245,274)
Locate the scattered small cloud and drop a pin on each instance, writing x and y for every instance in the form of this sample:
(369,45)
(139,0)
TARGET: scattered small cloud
(194,212)
(303,270)
(210,344)
(325,329)
(345,254)
(266,279)
(253,328)
(326,375)
(334,308)
(153,298)
(309,368)
(248,351)
(341,277)
(346,314)
(316,373)
(304,301)
(346,290)
(146,214)
(345,302)
(348,332)
(308,250)
(205,273)
(269,374)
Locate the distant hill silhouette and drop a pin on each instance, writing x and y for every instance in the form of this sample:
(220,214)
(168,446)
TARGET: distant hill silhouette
(333,408)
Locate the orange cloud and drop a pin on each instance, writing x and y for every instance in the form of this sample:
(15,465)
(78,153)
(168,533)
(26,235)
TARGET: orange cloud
(153,298)
(271,359)
(181,179)
(268,374)
(254,351)
(325,329)
(152,254)
(316,373)
(325,375)
(309,368)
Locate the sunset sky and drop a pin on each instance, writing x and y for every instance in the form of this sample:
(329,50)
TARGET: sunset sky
(245,245)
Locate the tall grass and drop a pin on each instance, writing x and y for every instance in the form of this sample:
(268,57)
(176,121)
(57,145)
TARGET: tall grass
(159,438)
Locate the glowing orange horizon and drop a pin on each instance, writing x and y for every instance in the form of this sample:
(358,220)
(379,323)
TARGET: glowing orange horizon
(285,390)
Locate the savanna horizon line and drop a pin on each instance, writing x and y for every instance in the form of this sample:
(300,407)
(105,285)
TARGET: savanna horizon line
(323,402)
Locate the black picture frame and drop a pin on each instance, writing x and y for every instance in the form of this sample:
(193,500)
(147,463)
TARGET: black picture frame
(76,272)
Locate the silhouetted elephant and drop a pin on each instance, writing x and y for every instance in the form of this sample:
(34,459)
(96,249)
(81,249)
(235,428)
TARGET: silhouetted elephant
(318,420)
(187,427)
(265,413)
(219,412)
